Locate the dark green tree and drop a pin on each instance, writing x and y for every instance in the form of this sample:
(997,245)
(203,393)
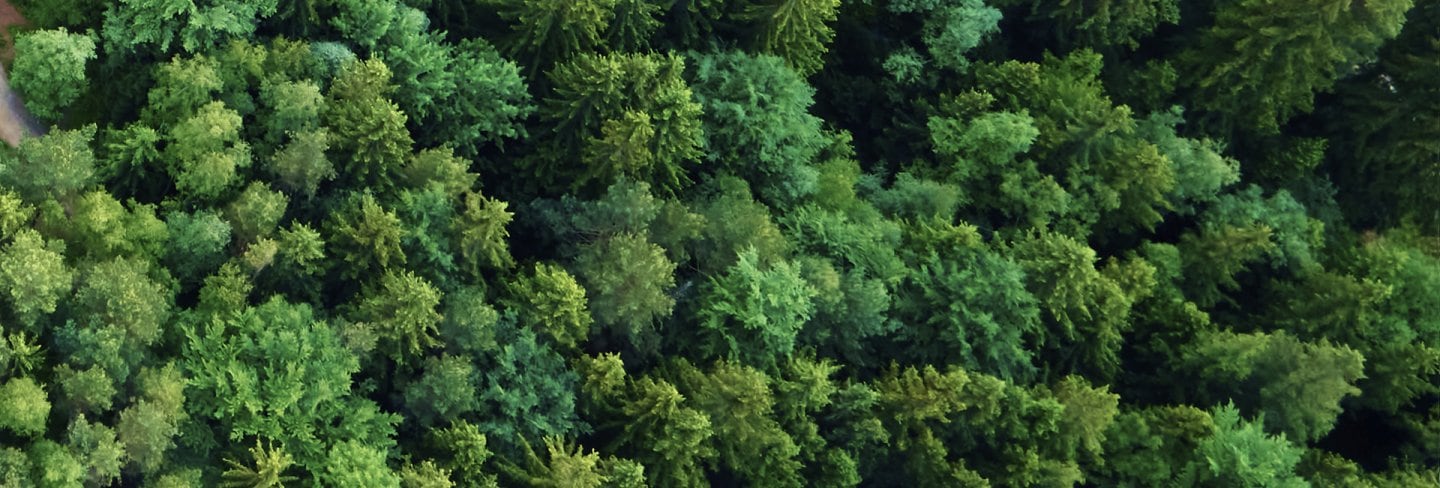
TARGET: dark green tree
(626,116)
(369,140)
(757,121)
(365,237)
(1263,61)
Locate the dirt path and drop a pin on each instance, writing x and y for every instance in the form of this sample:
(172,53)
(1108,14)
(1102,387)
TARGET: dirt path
(9,17)
(16,122)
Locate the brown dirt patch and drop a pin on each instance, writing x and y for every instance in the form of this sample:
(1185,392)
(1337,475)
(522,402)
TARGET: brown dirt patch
(10,19)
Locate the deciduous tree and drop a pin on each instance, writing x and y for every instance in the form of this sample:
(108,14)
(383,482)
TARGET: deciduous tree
(49,70)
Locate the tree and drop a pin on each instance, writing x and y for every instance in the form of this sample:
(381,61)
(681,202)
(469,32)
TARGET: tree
(438,169)
(363,23)
(118,312)
(856,308)
(671,439)
(950,29)
(481,235)
(207,152)
(97,449)
(426,474)
(971,309)
(1382,128)
(734,222)
(24,407)
(369,130)
(14,467)
(34,273)
(491,103)
(15,214)
(275,372)
(1298,386)
(1105,22)
(463,95)
(1240,231)
(120,294)
(401,308)
(446,390)
(54,465)
(1241,454)
(1201,171)
(912,402)
(752,314)
(302,253)
(289,108)
(301,165)
(149,426)
(468,452)
(197,244)
(740,405)
(627,115)
(549,31)
(351,463)
(629,281)
(49,70)
(634,23)
(89,390)
(365,236)
(563,465)
(158,27)
(57,165)
(1103,174)
(526,389)
(182,86)
(99,227)
(757,121)
(68,13)
(1085,310)
(270,464)
(1263,61)
(1153,445)
(795,30)
(551,301)
(1089,413)
(428,216)
(469,321)
(255,213)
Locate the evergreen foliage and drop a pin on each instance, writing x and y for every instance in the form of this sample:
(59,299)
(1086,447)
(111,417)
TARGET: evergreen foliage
(630,243)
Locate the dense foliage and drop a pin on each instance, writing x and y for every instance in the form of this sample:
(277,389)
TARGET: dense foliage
(625,243)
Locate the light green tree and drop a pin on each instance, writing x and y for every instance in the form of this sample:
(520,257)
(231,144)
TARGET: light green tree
(57,165)
(49,70)
(552,301)
(34,274)
(796,30)
(24,407)
(401,308)
(753,312)
(629,281)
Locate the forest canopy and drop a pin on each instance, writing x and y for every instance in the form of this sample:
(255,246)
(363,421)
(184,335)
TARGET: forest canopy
(630,243)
